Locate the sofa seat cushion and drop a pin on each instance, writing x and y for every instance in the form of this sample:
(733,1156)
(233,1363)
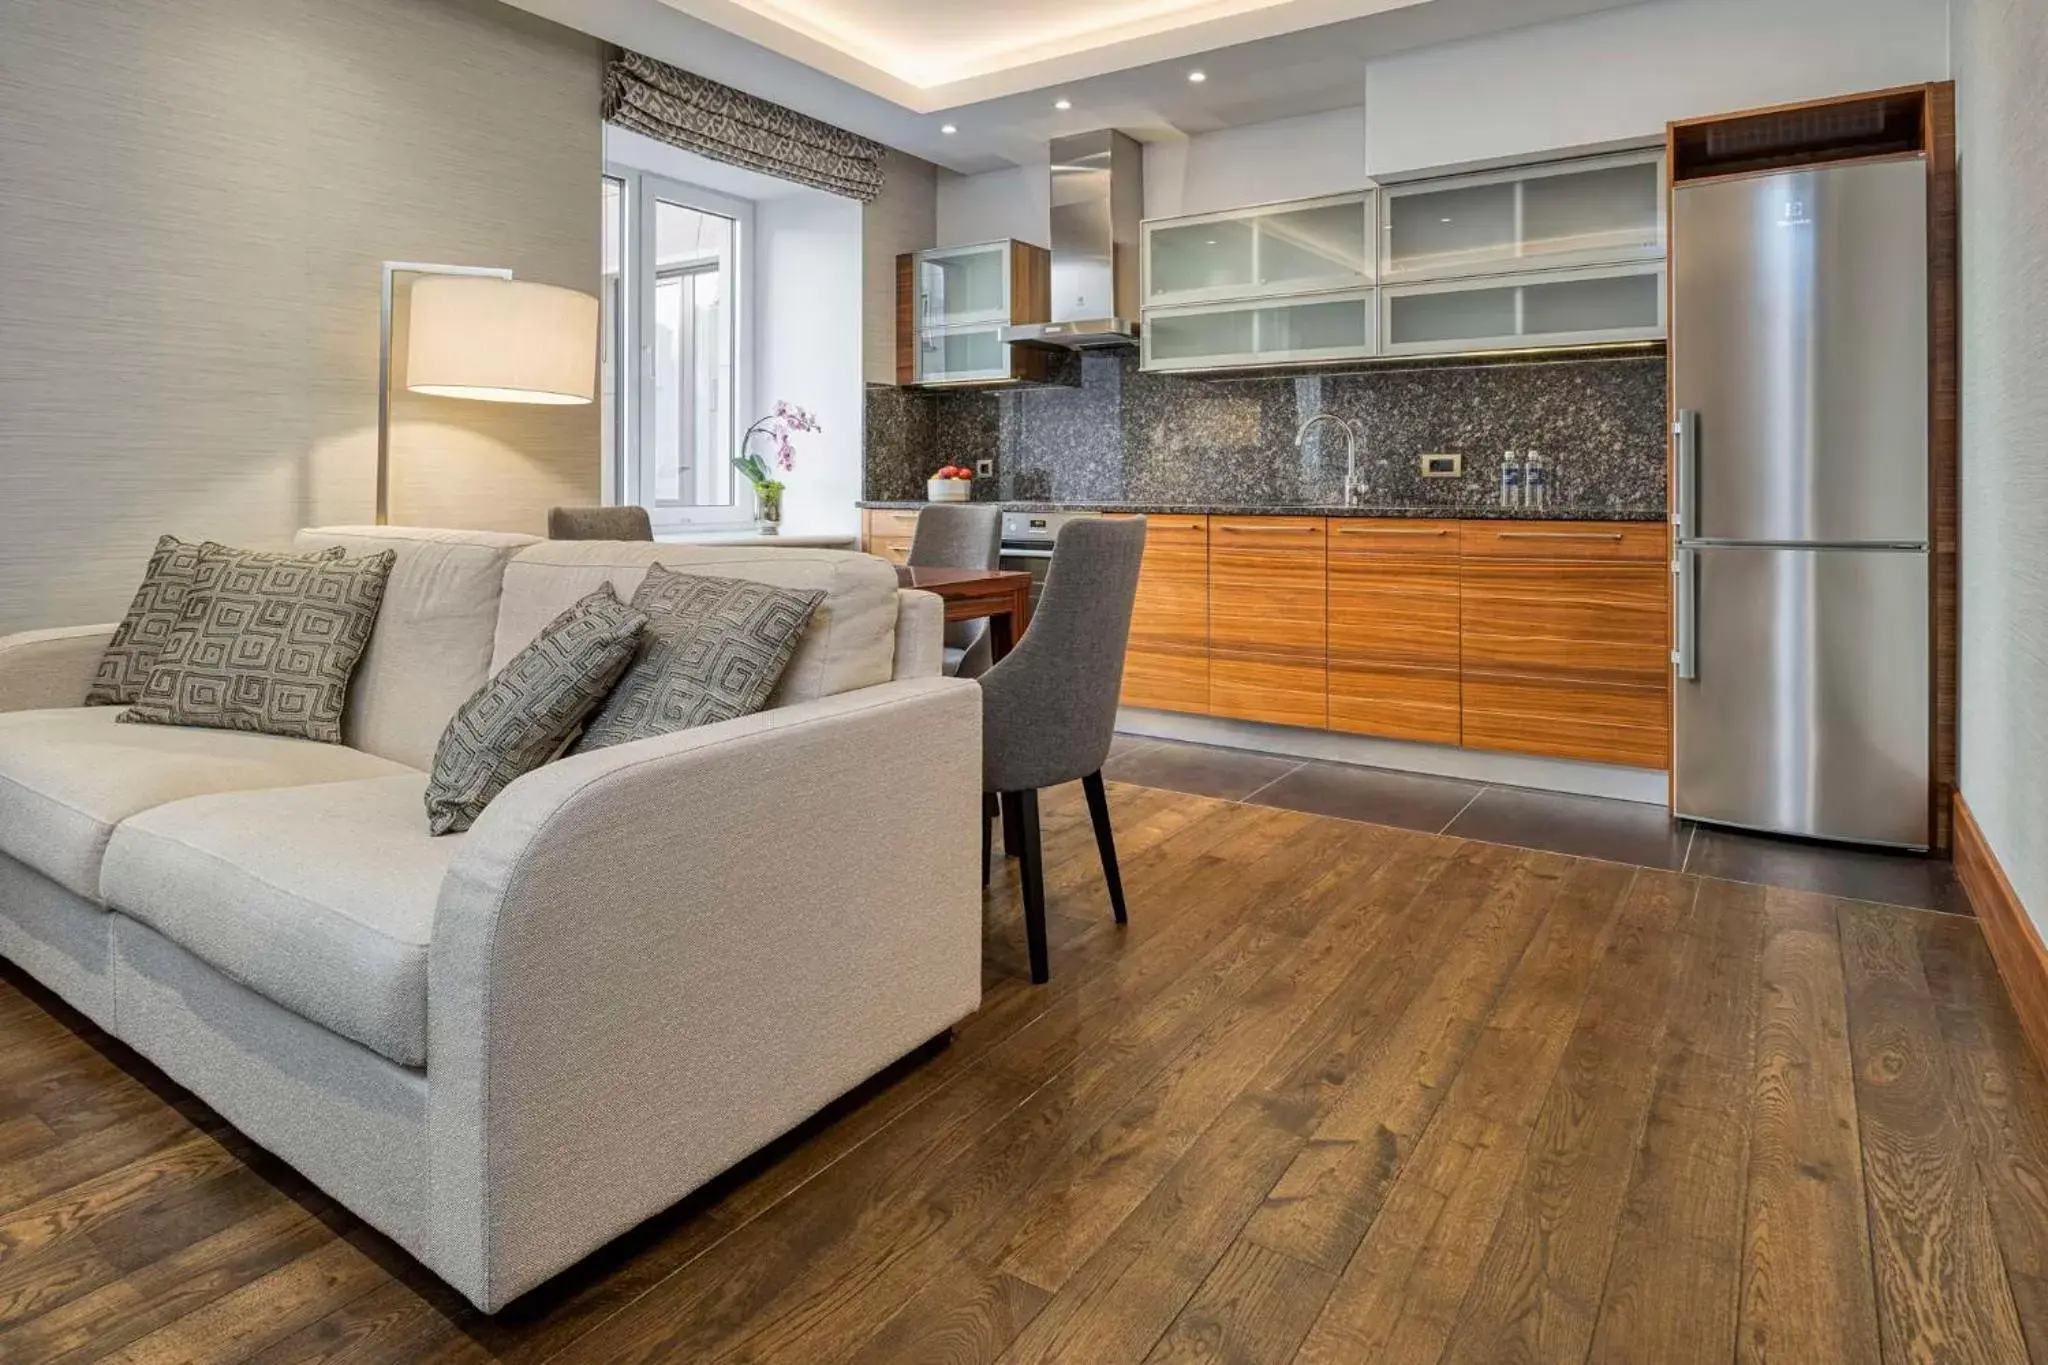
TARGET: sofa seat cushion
(319,898)
(68,777)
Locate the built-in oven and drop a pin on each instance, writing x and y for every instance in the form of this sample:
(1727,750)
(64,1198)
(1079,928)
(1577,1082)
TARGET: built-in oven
(1027,543)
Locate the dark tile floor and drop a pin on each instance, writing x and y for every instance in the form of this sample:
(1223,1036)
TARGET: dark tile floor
(1582,826)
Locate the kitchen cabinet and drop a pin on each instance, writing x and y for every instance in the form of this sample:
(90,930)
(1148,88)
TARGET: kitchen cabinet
(952,304)
(1591,306)
(887,531)
(1229,335)
(1268,614)
(1564,631)
(1599,210)
(1394,629)
(1308,246)
(1166,666)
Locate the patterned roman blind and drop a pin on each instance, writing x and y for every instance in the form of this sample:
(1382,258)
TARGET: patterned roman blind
(730,125)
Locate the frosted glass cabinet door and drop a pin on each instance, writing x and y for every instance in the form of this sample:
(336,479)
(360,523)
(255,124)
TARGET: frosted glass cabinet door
(961,286)
(1237,335)
(1546,308)
(967,354)
(1307,246)
(1597,210)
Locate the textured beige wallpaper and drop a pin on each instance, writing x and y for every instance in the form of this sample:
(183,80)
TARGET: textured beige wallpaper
(194,200)
(904,218)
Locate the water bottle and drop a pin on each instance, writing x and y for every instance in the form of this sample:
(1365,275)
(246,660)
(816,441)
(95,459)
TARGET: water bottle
(1535,482)
(1510,481)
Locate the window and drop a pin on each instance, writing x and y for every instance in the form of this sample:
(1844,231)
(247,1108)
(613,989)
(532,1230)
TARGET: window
(677,309)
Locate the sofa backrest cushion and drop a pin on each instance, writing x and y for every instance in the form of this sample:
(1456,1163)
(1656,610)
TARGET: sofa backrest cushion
(850,642)
(432,645)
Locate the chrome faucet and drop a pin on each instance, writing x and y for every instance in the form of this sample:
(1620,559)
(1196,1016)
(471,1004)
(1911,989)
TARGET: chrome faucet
(1351,488)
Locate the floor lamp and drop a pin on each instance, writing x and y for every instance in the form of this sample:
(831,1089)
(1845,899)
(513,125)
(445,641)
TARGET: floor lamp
(478,333)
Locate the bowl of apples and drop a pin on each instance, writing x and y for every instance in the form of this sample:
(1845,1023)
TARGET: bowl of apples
(952,484)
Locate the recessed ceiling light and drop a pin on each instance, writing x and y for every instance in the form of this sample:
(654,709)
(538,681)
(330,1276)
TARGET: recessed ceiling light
(948,129)
(1062,104)
(1197,77)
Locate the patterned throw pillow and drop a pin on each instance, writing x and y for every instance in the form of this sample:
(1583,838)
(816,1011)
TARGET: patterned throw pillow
(158,604)
(265,642)
(714,649)
(529,709)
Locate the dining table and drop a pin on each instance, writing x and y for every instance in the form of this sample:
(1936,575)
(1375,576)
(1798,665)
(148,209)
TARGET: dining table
(1001,596)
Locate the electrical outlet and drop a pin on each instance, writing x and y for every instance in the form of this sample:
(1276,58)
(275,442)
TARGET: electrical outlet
(984,469)
(1443,466)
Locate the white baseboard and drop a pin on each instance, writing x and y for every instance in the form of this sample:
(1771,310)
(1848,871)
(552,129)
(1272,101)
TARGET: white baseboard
(1647,785)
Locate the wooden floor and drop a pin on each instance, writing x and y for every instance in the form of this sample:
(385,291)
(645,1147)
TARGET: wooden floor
(1341,1093)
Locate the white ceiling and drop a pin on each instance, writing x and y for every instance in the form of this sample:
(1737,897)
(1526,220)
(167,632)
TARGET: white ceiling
(1119,63)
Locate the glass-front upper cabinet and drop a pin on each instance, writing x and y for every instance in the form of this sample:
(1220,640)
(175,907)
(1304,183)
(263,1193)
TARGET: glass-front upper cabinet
(964,286)
(1306,247)
(1284,331)
(1589,306)
(1602,209)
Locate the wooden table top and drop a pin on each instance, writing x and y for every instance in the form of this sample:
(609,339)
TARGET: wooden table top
(939,580)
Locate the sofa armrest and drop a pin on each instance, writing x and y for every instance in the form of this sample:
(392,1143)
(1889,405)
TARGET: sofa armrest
(920,634)
(50,668)
(650,960)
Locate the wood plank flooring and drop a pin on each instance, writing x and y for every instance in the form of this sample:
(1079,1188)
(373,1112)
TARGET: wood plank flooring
(1340,1093)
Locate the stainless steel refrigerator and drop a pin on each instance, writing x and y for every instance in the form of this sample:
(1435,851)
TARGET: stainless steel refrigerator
(1800,391)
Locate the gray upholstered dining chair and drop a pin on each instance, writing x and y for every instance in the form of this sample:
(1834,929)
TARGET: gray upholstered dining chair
(599,523)
(961,536)
(1048,709)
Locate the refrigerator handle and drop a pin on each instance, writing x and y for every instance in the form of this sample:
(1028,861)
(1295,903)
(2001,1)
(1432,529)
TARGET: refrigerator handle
(1685,599)
(1687,430)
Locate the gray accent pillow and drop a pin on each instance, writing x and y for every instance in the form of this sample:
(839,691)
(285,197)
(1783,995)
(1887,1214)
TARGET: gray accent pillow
(266,642)
(529,709)
(714,649)
(140,637)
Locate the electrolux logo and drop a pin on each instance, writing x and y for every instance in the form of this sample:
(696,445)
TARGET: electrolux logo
(1795,214)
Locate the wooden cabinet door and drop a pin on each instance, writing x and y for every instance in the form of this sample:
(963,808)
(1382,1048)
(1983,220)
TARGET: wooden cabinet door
(1268,596)
(1565,639)
(1167,664)
(886,531)
(1394,629)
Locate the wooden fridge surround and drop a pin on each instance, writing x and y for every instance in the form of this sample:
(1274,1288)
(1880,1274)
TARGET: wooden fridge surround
(1879,124)
(1543,638)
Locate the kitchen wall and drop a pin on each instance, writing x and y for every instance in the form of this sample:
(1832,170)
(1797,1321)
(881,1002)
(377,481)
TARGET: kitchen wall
(1120,435)
(2001,51)
(902,219)
(197,197)
(1609,76)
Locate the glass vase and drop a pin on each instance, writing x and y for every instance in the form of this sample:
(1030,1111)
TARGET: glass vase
(768,511)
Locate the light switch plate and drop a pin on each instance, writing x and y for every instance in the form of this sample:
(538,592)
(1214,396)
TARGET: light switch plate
(1443,466)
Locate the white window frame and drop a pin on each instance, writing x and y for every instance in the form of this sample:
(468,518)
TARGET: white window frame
(632,477)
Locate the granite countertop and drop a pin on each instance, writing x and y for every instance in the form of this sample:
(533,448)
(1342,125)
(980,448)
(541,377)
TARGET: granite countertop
(1248,510)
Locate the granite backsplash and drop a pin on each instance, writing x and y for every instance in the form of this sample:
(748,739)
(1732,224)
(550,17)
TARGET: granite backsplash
(1119,435)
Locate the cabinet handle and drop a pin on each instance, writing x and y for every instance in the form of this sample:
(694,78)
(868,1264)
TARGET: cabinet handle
(1176,526)
(903,516)
(1388,531)
(1613,536)
(1271,530)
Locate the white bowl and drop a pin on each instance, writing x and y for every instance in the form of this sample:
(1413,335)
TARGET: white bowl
(948,490)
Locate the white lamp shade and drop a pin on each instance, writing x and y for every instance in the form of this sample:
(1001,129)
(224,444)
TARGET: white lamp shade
(505,341)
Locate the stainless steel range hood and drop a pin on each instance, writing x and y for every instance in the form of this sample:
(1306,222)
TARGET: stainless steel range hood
(1098,196)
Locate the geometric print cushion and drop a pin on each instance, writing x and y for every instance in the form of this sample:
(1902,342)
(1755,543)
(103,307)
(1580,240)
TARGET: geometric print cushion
(265,642)
(714,649)
(158,603)
(529,710)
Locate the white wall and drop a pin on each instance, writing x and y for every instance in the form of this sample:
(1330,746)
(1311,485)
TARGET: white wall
(1606,77)
(807,347)
(1263,163)
(1016,202)
(2001,51)
(903,218)
(1624,73)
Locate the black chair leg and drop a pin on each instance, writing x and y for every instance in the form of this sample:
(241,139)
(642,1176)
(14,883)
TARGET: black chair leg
(988,814)
(1013,832)
(1026,806)
(1105,841)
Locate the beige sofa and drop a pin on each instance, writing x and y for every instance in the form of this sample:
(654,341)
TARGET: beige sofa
(504,1048)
